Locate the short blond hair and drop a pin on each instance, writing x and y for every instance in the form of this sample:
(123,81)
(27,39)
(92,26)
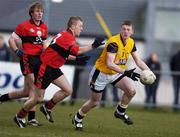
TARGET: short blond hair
(73,20)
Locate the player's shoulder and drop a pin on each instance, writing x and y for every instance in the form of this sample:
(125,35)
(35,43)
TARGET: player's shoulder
(24,23)
(43,24)
(114,37)
(131,40)
(65,38)
(67,34)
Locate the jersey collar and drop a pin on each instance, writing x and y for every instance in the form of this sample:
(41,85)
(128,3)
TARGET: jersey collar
(32,22)
(122,40)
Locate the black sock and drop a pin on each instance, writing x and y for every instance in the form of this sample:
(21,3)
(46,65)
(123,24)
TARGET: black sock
(79,116)
(120,109)
(31,115)
(4,97)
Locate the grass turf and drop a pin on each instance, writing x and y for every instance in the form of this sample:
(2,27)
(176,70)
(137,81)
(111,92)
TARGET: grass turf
(98,123)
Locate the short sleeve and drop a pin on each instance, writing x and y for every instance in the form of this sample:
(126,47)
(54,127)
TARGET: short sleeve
(112,48)
(134,48)
(15,36)
(74,49)
(19,30)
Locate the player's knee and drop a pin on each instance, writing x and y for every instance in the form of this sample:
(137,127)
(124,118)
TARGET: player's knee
(28,90)
(40,100)
(25,93)
(31,89)
(68,91)
(95,103)
(33,100)
(132,93)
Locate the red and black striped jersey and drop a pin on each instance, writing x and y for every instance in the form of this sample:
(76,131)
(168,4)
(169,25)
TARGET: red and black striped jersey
(62,45)
(32,36)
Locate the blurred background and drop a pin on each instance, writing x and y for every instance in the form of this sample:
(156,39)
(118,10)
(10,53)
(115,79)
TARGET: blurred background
(157,35)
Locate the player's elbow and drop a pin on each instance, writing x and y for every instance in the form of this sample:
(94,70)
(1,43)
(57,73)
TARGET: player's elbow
(95,103)
(12,43)
(79,52)
(110,65)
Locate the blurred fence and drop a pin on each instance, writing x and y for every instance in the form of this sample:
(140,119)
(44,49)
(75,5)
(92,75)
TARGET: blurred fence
(11,78)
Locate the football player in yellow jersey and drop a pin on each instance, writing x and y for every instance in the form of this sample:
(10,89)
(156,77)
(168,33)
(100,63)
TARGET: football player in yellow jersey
(110,68)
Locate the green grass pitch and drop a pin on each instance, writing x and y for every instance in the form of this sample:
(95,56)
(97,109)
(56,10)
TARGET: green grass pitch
(100,122)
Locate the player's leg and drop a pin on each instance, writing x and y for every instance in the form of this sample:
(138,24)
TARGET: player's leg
(27,69)
(127,86)
(32,113)
(66,90)
(30,88)
(18,93)
(13,95)
(97,82)
(28,105)
(20,116)
(22,113)
(86,107)
(91,103)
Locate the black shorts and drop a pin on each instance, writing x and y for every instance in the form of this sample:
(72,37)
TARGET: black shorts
(45,74)
(28,62)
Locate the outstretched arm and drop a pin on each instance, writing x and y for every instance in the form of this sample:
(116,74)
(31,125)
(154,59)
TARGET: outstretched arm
(97,42)
(84,49)
(139,62)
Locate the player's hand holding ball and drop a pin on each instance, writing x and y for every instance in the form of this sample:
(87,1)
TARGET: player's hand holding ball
(147,77)
(131,74)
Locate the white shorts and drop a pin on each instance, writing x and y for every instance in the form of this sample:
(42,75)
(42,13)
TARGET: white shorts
(99,80)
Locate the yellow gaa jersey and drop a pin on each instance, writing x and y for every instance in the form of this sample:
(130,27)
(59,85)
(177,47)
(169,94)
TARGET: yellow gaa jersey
(115,46)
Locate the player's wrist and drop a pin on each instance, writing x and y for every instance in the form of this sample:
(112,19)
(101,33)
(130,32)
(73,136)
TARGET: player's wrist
(19,53)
